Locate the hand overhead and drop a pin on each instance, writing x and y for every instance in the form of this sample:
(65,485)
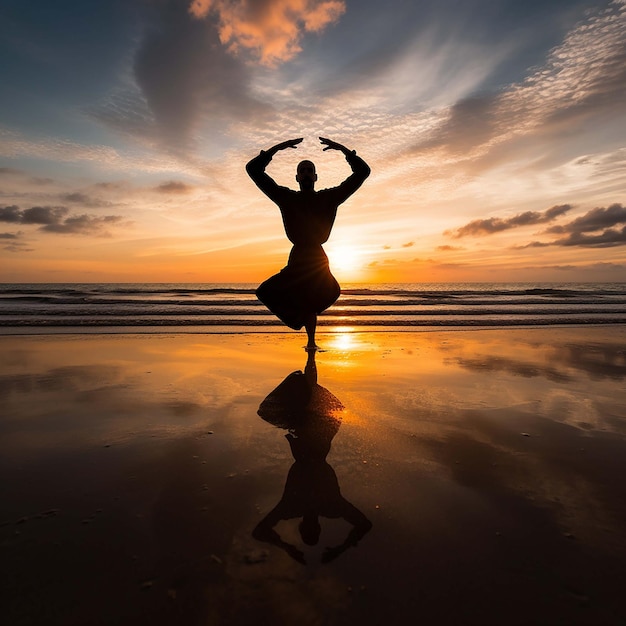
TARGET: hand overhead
(293,143)
(290,143)
(333,145)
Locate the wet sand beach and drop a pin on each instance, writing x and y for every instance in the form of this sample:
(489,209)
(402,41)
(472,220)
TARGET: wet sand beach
(474,477)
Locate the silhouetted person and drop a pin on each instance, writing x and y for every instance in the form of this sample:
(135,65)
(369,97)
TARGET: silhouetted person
(304,288)
(312,415)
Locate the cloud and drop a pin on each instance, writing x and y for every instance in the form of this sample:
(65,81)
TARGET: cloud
(603,265)
(596,219)
(384,262)
(174,187)
(43,215)
(13,244)
(35,215)
(471,122)
(449,248)
(532,244)
(54,220)
(600,218)
(13,144)
(110,185)
(9,171)
(84,200)
(34,180)
(410,244)
(450,266)
(183,77)
(584,76)
(608,239)
(41,181)
(10,214)
(17,246)
(583,79)
(492,225)
(593,267)
(271,30)
(84,225)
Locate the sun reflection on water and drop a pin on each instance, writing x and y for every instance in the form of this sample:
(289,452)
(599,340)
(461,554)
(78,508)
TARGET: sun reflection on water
(343,338)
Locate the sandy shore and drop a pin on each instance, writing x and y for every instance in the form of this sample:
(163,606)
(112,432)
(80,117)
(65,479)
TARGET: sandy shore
(472,477)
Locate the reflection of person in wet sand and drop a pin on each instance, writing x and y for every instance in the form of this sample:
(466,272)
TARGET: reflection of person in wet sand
(305,288)
(312,415)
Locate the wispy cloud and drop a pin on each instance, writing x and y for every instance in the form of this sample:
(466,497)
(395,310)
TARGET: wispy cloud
(14,145)
(9,171)
(11,242)
(492,225)
(17,247)
(583,78)
(446,248)
(174,187)
(600,269)
(85,200)
(270,30)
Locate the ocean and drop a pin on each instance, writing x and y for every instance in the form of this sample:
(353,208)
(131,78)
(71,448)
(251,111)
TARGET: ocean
(127,307)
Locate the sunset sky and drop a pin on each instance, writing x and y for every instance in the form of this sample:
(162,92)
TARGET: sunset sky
(495,130)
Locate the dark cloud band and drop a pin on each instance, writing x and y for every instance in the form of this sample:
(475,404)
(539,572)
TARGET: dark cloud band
(602,219)
(56,220)
(492,225)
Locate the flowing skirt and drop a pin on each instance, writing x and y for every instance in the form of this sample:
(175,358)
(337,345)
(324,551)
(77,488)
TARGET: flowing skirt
(305,286)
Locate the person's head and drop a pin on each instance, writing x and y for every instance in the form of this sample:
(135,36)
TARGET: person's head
(310,529)
(305,175)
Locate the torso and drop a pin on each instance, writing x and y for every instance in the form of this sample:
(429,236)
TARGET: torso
(308,217)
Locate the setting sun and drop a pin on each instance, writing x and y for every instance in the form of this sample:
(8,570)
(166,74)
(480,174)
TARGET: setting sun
(344,259)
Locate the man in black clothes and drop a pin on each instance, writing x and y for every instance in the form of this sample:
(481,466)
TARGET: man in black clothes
(306,287)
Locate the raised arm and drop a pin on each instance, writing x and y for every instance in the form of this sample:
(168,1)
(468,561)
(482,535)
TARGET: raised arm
(264,531)
(360,170)
(360,527)
(256,168)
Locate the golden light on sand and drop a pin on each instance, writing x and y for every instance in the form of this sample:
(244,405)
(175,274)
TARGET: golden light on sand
(343,338)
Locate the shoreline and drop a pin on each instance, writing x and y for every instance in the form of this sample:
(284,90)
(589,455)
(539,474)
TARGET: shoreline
(12,331)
